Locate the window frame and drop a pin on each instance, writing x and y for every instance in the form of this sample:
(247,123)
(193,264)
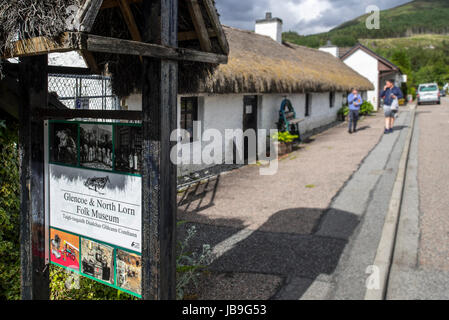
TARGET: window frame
(332,96)
(184,114)
(308,105)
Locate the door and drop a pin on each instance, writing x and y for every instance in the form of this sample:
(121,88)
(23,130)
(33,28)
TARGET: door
(249,122)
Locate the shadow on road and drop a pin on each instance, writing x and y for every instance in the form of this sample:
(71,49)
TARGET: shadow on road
(363,128)
(199,197)
(298,245)
(399,128)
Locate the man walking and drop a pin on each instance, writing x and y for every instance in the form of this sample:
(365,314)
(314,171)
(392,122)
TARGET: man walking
(354,101)
(389,94)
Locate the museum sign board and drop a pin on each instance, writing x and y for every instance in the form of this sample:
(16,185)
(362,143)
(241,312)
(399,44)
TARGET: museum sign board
(94,199)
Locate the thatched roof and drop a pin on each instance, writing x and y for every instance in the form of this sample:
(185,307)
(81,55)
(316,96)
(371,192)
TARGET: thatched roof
(258,64)
(64,25)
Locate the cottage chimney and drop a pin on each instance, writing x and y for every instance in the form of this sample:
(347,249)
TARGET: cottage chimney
(270,26)
(330,48)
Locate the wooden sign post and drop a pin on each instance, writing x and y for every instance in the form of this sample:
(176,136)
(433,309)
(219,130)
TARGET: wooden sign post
(33,89)
(160,79)
(159,54)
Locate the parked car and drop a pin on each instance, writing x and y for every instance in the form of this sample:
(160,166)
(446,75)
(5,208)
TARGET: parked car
(428,92)
(443,92)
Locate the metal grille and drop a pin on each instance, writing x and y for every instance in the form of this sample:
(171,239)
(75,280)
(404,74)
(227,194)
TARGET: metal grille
(84,91)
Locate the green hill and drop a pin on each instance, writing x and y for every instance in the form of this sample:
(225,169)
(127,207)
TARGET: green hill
(416,17)
(424,58)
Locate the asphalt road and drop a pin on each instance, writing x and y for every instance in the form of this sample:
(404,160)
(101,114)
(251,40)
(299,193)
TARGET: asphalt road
(420,268)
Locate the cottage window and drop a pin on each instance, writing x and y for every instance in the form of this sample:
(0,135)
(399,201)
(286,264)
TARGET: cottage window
(308,104)
(189,114)
(331,99)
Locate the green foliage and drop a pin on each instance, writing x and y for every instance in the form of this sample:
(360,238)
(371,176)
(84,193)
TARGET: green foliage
(412,91)
(416,17)
(344,40)
(9,212)
(190,265)
(68,285)
(366,108)
(343,111)
(307,41)
(412,36)
(284,137)
(423,58)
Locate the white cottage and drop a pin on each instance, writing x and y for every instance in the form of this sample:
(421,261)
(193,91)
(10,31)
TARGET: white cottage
(375,68)
(247,92)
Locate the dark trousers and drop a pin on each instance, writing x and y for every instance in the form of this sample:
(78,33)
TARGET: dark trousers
(353,118)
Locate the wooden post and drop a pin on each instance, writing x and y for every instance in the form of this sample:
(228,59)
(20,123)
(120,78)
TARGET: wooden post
(34,91)
(159,99)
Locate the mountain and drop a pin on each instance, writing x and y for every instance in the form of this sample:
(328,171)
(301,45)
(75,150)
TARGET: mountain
(415,17)
(424,57)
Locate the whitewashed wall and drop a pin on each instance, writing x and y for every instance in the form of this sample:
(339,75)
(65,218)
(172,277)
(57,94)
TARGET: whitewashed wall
(320,115)
(367,66)
(225,111)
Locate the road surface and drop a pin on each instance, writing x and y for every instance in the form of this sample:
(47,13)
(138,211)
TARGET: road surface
(420,267)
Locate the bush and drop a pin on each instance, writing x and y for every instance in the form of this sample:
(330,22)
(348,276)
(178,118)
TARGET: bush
(189,265)
(344,111)
(68,285)
(284,137)
(412,91)
(366,108)
(9,213)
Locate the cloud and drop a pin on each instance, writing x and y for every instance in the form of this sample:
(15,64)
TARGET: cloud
(302,16)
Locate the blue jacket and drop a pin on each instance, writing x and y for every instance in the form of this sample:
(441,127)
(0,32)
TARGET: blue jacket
(354,102)
(386,95)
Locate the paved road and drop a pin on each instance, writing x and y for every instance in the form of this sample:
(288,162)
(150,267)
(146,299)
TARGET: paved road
(310,231)
(421,260)
(367,194)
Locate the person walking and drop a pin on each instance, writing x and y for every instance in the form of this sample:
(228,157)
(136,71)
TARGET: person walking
(354,101)
(390,93)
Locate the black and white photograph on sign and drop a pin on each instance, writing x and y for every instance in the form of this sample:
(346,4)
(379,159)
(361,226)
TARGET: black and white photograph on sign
(97,260)
(96,150)
(105,206)
(63,143)
(128,149)
(129,271)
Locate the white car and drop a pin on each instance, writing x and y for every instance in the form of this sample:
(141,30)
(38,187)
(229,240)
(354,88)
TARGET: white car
(429,92)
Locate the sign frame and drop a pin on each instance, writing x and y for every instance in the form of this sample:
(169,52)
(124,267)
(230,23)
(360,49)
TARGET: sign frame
(138,255)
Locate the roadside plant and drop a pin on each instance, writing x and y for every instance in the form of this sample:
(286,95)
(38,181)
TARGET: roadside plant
(343,111)
(189,265)
(69,285)
(9,212)
(366,108)
(285,137)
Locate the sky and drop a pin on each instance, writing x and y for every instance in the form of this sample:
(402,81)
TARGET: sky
(303,16)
